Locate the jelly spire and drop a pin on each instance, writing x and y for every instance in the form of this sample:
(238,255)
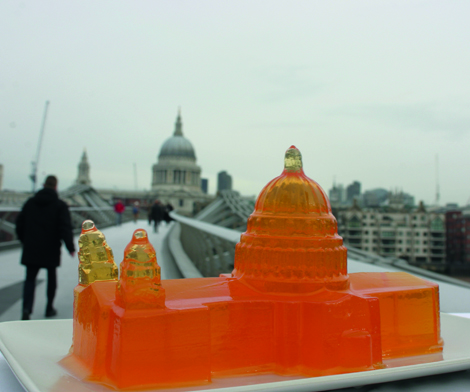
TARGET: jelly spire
(96,261)
(291,244)
(140,283)
(293,160)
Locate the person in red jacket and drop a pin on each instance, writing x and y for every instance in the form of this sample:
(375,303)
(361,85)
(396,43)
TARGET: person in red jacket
(119,210)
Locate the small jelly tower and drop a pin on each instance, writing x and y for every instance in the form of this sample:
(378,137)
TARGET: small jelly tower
(95,256)
(291,244)
(140,284)
(289,307)
(96,264)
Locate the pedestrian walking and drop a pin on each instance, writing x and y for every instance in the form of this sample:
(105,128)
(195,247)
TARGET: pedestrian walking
(156,214)
(119,209)
(167,218)
(135,211)
(44,221)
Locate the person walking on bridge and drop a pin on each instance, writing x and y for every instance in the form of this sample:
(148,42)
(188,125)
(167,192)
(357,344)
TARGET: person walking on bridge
(157,214)
(119,209)
(42,224)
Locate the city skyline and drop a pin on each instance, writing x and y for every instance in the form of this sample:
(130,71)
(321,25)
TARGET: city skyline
(367,91)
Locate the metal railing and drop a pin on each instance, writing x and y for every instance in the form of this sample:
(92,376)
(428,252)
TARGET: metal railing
(372,258)
(228,210)
(87,204)
(203,249)
(208,248)
(103,216)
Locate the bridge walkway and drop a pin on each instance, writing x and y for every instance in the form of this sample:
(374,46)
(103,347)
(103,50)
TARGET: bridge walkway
(12,273)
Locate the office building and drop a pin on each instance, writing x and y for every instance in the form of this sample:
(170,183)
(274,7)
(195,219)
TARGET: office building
(224,181)
(417,236)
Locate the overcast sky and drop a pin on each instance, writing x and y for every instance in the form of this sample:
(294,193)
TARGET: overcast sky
(367,90)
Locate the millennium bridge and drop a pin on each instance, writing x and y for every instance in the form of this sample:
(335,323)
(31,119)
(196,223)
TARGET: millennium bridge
(200,246)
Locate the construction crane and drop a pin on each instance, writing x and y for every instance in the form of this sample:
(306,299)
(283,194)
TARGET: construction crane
(438,193)
(35,164)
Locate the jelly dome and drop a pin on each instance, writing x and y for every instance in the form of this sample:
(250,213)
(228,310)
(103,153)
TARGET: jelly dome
(291,244)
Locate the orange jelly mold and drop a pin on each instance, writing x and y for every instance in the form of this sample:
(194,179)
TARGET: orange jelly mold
(291,244)
(289,307)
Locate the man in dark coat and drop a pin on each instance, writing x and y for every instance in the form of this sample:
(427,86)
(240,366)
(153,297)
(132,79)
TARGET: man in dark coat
(157,214)
(41,225)
(168,208)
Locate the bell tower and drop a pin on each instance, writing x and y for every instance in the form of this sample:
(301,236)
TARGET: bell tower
(83,171)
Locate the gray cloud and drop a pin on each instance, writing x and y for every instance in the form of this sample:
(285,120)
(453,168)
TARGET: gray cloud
(425,117)
(285,83)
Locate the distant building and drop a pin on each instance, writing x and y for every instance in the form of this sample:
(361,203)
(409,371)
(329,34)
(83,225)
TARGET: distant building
(417,236)
(374,197)
(337,195)
(458,240)
(400,200)
(176,178)
(353,191)
(13,198)
(83,171)
(379,197)
(205,185)
(224,181)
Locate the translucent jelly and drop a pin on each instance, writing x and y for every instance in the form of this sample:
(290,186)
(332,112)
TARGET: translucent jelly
(289,307)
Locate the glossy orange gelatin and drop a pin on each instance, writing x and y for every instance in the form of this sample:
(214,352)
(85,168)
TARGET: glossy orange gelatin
(289,306)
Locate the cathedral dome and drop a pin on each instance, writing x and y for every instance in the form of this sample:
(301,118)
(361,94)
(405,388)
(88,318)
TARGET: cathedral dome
(177,145)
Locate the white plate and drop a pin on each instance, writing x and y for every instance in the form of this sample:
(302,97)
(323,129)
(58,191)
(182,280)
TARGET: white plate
(34,348)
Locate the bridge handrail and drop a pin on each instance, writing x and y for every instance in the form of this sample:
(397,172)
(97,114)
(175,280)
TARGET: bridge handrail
(9,209)
(233,237)
(372,258)
(229,235)
(208,248)
(102,215)
(184,264)
(18,209)
(104,208)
